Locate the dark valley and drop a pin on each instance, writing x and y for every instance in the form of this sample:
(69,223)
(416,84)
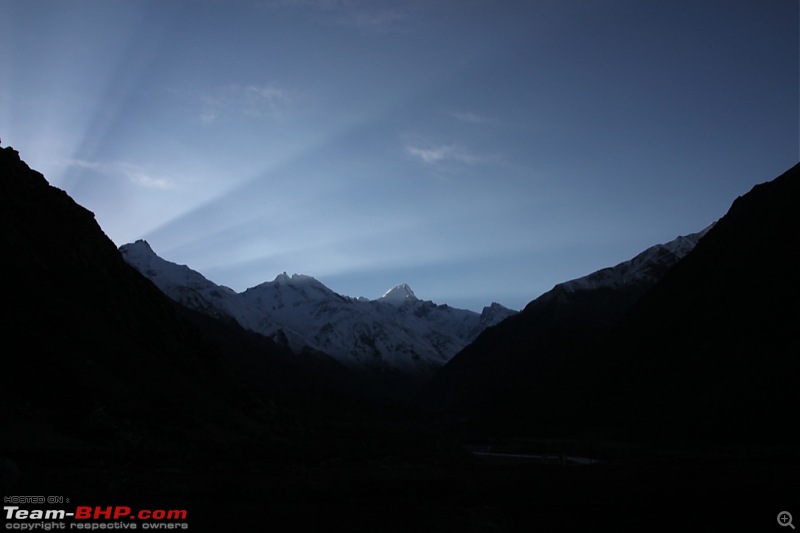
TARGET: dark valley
(659,394)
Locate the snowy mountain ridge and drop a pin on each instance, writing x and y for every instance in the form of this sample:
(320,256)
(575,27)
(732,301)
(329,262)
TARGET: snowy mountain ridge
(396,332)
(643,267)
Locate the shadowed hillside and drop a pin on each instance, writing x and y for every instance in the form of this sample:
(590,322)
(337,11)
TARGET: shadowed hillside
(102,358)
(713,351)
(707,356)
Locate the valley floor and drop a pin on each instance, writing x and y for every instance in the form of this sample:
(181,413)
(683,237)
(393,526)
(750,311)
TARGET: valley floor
(254,491)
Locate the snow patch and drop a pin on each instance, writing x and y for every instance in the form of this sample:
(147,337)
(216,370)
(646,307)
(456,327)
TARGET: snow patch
(399,294)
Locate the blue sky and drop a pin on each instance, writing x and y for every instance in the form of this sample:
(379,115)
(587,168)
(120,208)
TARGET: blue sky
(478,150)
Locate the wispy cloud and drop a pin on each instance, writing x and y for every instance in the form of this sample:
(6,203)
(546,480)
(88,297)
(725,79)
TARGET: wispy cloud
(470,118)
(432,155)
(89,165)
(132,173)
(147,180)
(251,100)
(261,100)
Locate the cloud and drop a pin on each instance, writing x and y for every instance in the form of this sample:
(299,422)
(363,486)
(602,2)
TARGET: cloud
(251,100)
(470,118)
(262,100)
(147,180)
(82,163)
(442,153)
(132,173)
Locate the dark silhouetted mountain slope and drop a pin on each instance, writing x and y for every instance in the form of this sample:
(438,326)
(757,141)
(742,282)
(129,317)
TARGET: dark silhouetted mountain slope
(566,319)
(714,349)
(708,355)
(99,358)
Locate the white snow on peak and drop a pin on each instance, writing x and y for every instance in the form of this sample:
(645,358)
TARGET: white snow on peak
(183,284)
(399,294)
(165,272)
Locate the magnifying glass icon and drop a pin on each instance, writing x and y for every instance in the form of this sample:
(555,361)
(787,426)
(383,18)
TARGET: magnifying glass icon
(785,519)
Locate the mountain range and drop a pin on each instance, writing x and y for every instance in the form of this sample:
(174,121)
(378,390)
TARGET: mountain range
(397,332)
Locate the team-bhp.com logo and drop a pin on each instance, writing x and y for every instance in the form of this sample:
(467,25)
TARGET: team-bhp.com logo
(86,517)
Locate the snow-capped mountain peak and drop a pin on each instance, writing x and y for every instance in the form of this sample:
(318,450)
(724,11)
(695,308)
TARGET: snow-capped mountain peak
(183,284)
(168,274)
(408,335)
(399,294)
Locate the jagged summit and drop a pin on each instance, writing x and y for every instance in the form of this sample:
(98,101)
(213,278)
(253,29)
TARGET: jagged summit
(179,282)
(399,294)
(295,279)
(297,284)
(141,247)
(496,308)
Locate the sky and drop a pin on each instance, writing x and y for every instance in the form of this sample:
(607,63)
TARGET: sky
(477,150)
